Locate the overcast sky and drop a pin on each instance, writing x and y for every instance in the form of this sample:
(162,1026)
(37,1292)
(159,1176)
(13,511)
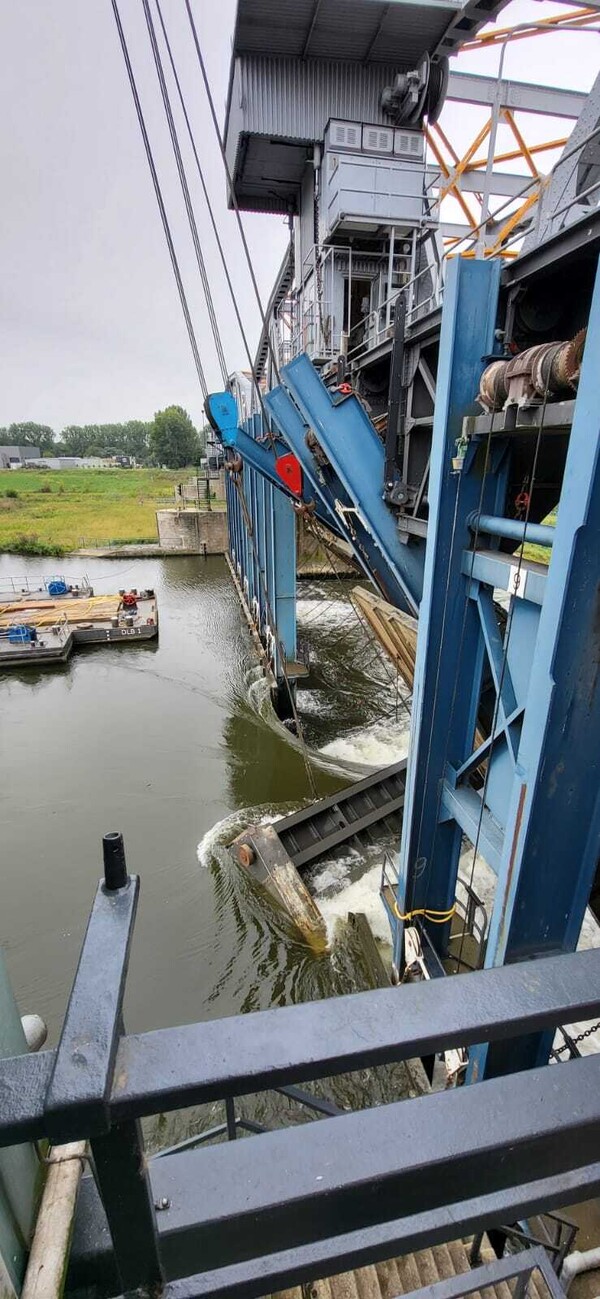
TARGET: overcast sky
(90,324)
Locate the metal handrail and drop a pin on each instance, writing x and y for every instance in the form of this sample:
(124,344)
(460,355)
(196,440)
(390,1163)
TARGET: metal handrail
(297,1202)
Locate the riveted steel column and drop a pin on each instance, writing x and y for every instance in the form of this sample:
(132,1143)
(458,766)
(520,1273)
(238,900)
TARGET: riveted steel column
(448,653)
(263,595)
(552,841)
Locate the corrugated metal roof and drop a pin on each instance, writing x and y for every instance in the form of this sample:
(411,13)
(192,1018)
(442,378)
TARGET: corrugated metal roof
(365,31)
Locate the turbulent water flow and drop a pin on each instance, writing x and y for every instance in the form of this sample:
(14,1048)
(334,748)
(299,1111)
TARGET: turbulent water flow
(355,690)
(177,745)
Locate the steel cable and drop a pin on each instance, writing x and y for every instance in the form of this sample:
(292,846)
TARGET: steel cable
(160,201)
(230,186)
(185,191)
(209,206)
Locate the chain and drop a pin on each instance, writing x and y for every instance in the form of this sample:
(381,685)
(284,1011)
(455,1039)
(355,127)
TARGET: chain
(556,1052)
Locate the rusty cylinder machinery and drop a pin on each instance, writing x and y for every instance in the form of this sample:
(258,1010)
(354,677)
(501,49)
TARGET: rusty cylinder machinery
(547,370)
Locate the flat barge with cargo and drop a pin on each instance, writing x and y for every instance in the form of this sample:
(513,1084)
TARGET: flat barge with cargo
(44,630)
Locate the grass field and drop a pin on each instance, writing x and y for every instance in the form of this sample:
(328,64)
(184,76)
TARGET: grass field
(54,511)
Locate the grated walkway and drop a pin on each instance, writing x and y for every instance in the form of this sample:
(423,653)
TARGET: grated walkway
(401,1276)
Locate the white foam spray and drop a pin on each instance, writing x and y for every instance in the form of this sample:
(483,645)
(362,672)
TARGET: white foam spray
(225,831)
(361,895)
(377,745)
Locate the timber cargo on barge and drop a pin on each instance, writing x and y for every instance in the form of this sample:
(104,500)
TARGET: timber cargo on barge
(45,632)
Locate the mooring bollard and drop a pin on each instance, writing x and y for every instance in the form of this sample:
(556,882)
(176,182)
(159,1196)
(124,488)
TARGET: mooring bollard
(115,868)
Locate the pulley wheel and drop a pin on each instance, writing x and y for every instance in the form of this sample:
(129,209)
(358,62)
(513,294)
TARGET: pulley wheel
(436,90)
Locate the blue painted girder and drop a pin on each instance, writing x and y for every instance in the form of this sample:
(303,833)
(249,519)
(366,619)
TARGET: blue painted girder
(221,409)
(355,479)
(317,485)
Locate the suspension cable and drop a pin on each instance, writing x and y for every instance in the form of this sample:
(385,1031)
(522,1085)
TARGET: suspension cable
(186,192)
(213,113)
(160,201)
(210,209)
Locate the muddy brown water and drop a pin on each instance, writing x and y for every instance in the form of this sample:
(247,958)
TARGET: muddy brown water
(175,745)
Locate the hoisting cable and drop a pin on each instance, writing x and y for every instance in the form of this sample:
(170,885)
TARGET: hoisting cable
(210,209)
(186,192)
(380,658)
(505,647)
(184,303)
(230,187)
(160,201)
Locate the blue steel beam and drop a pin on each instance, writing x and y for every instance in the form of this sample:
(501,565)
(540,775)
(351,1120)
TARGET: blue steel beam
(356,455)
(450,645)
(262,534)
(552,841)
(289,422)
(283,550)
(261,456)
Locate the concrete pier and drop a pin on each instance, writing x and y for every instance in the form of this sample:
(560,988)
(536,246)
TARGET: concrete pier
(192,532)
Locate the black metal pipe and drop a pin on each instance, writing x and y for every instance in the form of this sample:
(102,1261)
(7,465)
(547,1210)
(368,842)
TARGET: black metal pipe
(231,1119)
(395,432)
(115,868)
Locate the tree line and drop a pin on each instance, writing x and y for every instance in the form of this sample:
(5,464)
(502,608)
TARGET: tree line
(169,439)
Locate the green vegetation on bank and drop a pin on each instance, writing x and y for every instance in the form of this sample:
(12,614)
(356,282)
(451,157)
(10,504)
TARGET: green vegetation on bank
(50,512)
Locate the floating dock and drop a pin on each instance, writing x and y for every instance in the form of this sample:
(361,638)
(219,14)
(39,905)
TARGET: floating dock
(43,631)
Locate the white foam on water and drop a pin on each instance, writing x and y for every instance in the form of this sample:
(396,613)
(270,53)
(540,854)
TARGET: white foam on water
(333,875)
(225,831)
(316,703)
(377,745)
(325,611)
(362,895)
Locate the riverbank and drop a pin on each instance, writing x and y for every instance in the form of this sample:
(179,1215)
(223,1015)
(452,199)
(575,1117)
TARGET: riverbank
(54,512)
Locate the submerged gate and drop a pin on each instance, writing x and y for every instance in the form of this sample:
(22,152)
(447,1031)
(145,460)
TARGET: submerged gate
(262,546)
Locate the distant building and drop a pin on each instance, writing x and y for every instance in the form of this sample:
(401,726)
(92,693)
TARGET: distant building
(68,462)
(14,457)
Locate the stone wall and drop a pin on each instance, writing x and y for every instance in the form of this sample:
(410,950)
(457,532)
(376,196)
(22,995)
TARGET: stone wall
(193,532)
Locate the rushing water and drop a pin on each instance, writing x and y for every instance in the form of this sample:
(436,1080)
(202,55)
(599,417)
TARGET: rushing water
(176,745)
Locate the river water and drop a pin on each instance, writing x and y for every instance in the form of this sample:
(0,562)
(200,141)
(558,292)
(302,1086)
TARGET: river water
(175,744)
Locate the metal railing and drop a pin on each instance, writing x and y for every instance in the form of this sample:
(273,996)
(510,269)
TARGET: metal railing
(306,321)
(60,629)
(516,1267)
(259,1214)
(17,587)
(468,907)
(554,1233)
